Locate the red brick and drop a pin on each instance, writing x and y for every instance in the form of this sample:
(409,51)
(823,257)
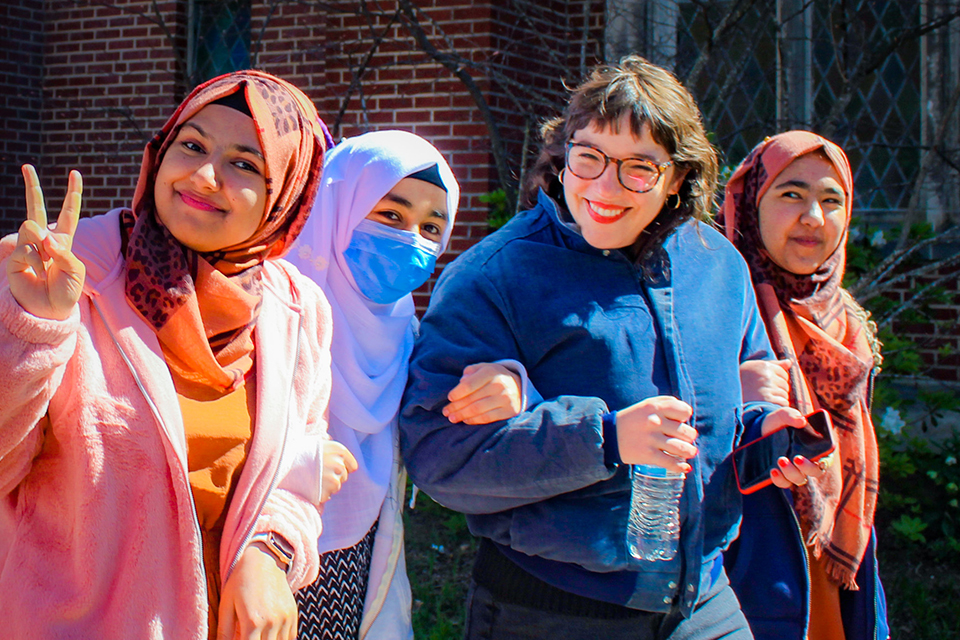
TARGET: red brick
(432,130)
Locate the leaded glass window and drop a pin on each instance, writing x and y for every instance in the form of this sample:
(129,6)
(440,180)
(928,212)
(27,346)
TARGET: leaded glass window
(880,128)
(757,67)
(219,39)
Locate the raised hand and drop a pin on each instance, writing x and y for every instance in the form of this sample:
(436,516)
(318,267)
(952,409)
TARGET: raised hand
(45,277)
(486,393)
(654,432)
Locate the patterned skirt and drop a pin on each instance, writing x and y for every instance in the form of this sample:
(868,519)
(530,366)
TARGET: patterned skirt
(332,607)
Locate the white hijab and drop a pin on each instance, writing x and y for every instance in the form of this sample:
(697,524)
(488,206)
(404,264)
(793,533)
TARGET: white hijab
(371,342)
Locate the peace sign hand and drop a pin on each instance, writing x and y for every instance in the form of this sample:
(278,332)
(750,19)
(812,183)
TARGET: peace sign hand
(45,277)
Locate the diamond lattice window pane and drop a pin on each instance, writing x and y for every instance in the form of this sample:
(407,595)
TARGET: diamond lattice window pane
(221,37)
(736,90)
(877,119)
(883,114)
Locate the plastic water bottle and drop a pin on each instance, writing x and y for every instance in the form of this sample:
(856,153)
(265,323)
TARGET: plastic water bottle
(653,529)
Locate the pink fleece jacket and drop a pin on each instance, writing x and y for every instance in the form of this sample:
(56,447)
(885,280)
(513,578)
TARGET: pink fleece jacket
(98,531)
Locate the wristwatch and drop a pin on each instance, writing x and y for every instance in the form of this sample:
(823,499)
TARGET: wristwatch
(277,546)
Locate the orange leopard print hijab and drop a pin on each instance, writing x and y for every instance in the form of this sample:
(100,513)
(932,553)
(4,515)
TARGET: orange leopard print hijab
(204,306)
(815,323)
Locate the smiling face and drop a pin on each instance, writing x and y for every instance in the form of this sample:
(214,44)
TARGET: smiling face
(610,216)
(210,190)
(803,214)
(414,205)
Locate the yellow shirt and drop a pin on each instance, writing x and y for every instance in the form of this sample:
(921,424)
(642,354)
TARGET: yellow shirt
(219,432)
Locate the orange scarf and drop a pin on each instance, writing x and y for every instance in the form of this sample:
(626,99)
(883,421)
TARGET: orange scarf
(203,306)
(812,321)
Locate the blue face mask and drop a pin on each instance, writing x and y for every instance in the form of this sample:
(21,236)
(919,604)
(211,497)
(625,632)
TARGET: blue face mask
(388,263)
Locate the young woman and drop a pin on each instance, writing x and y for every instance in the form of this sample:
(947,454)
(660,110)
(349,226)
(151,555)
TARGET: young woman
(163,386)
(631,320)
(804,566)
(384,214)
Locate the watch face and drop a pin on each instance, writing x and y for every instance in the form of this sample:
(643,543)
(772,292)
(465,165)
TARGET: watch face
(281,544)
(277,545)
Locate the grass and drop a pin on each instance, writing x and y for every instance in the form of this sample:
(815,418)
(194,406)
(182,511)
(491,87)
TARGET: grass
(923,589)
(440,553)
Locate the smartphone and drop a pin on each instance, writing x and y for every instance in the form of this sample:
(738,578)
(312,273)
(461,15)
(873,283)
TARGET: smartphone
(753,461)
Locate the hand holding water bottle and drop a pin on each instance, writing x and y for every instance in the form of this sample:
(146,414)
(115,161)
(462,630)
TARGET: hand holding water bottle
(654,432)
(653,436)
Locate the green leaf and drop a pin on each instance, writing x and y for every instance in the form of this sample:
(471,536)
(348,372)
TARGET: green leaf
(910,528)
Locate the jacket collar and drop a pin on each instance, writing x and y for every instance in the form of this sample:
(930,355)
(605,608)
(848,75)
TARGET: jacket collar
(569,230)
(655,269)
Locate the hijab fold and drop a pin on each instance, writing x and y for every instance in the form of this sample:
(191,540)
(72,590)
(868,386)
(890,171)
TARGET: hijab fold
(204,306)
(372,342)
(816,324)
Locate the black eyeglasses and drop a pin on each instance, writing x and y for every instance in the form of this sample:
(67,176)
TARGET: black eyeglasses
(588,163)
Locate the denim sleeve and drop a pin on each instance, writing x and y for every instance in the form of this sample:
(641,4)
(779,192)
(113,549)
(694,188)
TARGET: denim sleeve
(752,417)
(755,345)
(554,447)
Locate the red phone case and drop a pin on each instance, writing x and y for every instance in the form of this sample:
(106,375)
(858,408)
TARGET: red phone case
(816,415)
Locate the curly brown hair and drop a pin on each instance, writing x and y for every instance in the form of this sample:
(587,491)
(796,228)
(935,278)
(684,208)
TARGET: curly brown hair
(651,96)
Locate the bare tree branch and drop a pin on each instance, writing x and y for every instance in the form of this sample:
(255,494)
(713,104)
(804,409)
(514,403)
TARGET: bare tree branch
(584,37)
(913,207)
(877,280)
(156,18)
(359,72)
(736,11)
(523,9)
(257,45)
(412,22)
(875,55)
(921,294)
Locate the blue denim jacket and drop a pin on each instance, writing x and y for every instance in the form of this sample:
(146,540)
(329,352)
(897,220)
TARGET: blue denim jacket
(538,293)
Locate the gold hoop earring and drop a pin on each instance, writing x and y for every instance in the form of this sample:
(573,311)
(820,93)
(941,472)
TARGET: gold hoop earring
(560,175)
(676,205)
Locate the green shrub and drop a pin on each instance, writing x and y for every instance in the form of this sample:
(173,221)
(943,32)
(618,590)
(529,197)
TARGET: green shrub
(920,478)
(501,209)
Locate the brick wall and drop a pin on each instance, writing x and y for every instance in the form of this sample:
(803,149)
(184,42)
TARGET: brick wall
(84,86)
(112,76)
(541,48)
(402,88)
(21,75)
(937,335)
(110,80)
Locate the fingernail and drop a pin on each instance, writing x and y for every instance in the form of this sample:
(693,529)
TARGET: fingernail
(782,462)
(797,459)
